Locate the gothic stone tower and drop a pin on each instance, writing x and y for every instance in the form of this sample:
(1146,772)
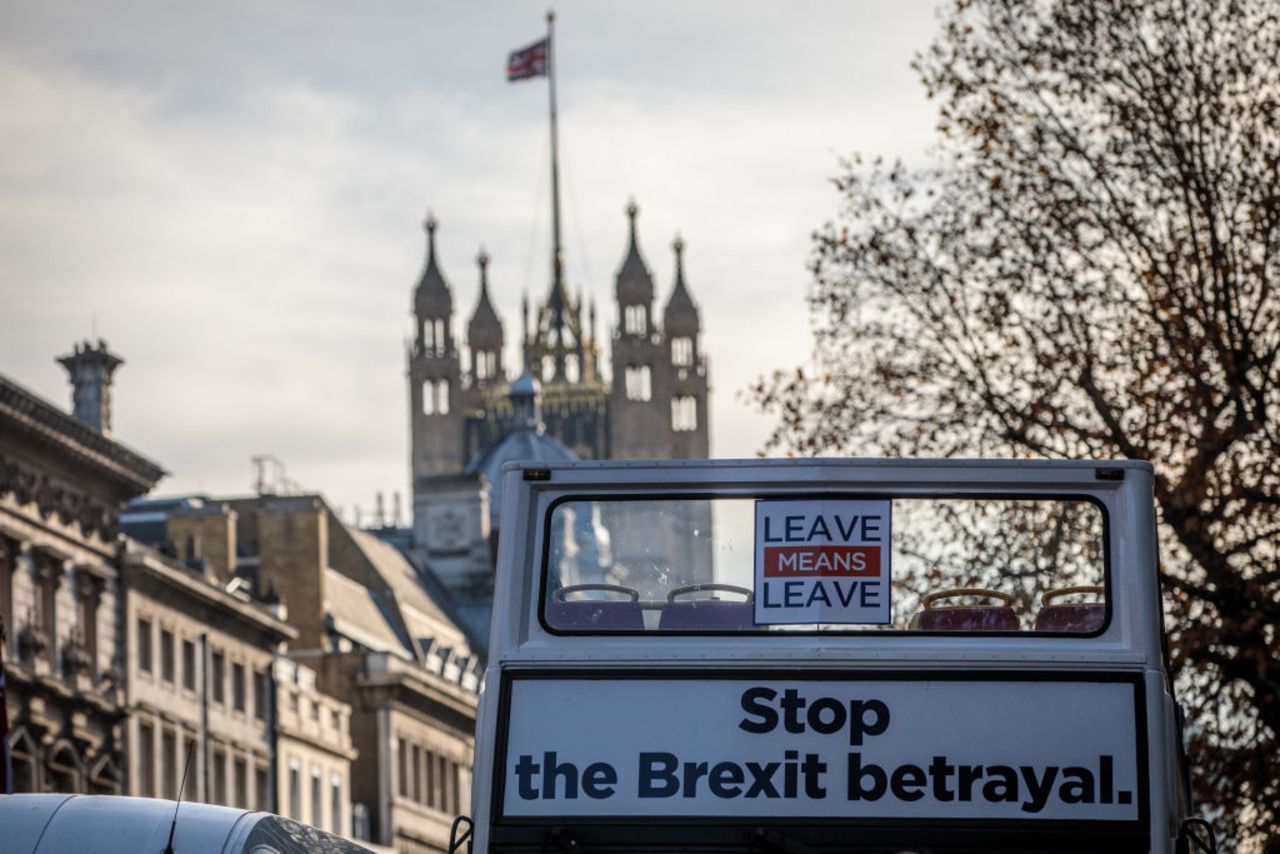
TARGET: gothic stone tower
(651,402)
(637,418)
(658,401)
(684,370)
(435,375)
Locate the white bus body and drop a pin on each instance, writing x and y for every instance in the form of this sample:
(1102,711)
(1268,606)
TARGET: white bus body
(790,655)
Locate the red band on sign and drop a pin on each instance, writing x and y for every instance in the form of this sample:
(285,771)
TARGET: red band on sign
(821,561)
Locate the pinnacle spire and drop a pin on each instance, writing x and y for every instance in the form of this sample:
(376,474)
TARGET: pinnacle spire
(634,281)
(432,288)
(678,246)
(680,309)
(484,317)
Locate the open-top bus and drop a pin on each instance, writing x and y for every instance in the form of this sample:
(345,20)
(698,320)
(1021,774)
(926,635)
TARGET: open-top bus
(828,655)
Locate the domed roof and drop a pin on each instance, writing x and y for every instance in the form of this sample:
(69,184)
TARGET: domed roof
(528,441)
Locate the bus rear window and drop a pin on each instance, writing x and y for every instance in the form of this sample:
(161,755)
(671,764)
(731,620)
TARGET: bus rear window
(831,564)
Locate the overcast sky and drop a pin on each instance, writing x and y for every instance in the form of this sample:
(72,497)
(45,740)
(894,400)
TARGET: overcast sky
(232,193)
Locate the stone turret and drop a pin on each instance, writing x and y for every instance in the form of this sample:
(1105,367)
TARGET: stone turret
(91,369)
(435,373)
(484,333)
(680,317)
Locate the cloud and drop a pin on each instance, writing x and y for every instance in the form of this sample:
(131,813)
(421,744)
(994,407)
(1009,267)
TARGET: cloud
(232,195)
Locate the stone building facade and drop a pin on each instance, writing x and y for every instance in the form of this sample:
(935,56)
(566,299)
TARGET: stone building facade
(374,658)
(63,480)
(199,675)
(315,752)
(306,666)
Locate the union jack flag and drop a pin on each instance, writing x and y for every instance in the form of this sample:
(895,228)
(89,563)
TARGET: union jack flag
(531,61)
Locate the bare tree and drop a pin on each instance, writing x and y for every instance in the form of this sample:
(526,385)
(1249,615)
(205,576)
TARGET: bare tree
(1091,270)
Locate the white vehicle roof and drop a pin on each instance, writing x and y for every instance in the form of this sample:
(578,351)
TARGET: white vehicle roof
(104,824)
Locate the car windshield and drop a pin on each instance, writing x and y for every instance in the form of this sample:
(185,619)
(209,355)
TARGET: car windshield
(827,563)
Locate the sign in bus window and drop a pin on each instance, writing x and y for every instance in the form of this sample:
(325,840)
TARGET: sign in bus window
(680,565)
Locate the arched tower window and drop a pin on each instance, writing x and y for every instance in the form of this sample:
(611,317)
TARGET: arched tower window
(639,383)
(434,340)
(486,364)
(635,320)
(684,414)
(435,397)
(682,352)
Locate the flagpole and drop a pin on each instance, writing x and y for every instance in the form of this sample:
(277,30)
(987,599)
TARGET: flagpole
(557,251)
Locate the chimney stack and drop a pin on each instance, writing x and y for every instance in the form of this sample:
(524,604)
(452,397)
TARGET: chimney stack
(91,368)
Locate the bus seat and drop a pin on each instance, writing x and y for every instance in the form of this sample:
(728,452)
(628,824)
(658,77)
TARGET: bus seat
(1079,617)
(589,616)
(595,614)
(967,618)
(710,615)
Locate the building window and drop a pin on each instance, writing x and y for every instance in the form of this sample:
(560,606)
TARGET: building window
(241,778)
(24,762)
(442,779)
(47,576)
(429,795)
(435,397)
(169,763)
(434,341)
(572,370)
(220,776)
(684,414)
(682,352)
(237,686)
(260,695)
(261,781)
(486,364)
(186,757)
(295,790)
(416,762)
(9,549)
(144,648)
(218,677)
(634,320)
(360,828)
(146,760)
(166,655)
(317,799)
(188,664)
(639,383)
(88,593)
(335,804)
(402,762)
(64,770)
(548,369)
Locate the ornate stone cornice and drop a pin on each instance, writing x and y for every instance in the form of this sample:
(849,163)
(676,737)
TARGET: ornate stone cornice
(20,410)
(54,499)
